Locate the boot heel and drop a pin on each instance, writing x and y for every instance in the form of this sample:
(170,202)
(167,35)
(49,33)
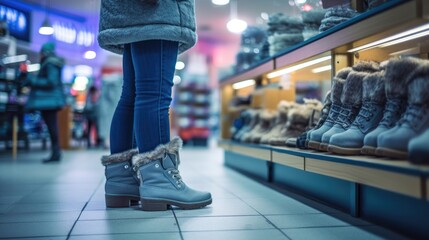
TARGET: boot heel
(153,205)
(119,201)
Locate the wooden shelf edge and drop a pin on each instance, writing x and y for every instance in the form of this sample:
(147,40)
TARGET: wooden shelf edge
(250,74)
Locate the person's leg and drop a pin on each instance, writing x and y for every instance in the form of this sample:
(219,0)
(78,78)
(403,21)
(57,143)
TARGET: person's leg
(121,130)
(88,132)
(50,118)
(154,63)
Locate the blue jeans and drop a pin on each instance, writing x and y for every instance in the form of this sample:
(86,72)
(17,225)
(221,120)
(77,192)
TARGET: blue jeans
(143,108)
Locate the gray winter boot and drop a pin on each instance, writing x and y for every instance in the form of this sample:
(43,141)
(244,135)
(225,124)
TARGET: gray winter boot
(338,81)
(418,149)
(350,142)
(397,71)
(394,142)
(351,99)
(122,184)
(266,122)
(160,182)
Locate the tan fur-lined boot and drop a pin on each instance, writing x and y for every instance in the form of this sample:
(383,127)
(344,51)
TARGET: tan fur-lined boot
(160,182)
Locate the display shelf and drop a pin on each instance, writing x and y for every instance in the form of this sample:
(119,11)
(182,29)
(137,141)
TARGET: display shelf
(250,73)
(397,176)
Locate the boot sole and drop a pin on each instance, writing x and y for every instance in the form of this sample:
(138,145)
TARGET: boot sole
(314,145)
(344,151)
(324,147)
(391,153)
(121,201)
(368,150)
(162,205)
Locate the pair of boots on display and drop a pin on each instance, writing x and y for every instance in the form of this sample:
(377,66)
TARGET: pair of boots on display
(391,109)
(152,178)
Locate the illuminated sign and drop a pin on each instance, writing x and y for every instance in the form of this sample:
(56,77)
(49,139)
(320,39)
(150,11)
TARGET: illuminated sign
(68,33)
(18,22)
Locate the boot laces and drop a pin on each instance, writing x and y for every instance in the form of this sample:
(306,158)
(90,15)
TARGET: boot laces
(345,117)
(175,174)
(323,116)
(365,114)
(333,113)
(392,109)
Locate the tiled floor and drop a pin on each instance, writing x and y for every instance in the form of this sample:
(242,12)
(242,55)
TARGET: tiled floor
(66,201)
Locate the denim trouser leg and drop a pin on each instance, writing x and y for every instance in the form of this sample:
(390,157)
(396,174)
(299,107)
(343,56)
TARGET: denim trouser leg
(154,64)
(143,108)
(121,129)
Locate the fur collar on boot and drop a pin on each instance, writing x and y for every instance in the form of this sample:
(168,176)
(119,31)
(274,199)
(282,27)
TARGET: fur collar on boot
(171,147)
(337,90)
(352,92)
(118,157)
(366,66)
(397,71)
(418,85)
(373,87)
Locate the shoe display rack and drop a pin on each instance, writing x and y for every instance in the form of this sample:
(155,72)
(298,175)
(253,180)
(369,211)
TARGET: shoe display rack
(391,193)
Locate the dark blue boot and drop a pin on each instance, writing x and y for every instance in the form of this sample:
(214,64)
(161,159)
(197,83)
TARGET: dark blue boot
(122,184)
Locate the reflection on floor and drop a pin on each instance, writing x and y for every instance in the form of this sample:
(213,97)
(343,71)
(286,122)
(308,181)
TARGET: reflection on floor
(66,201)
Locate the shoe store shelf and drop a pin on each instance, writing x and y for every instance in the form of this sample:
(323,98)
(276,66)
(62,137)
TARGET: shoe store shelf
(393,194)
(392,175)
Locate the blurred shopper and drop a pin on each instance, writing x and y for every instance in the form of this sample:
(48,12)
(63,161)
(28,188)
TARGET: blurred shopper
(150,34)
(47,95)
(92,114)
(110,94)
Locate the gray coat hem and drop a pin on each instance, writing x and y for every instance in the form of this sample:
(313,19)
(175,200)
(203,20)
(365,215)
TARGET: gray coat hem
(113,39)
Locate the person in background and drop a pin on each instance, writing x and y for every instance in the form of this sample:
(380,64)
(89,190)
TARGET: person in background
(149,34)
(47,96)
(92,113)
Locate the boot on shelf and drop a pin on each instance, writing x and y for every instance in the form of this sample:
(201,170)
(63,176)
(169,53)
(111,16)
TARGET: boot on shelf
(122,185)
(418,149)
(255,118)
(396,74)
(394,142)
(304,138)
(351,101)
(266,122)
(350,142)
(295,125)
(160,182)
(314,109)
(280,121)
(250,119)
(315,137)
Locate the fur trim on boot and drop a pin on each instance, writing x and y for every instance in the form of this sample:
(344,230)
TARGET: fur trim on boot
(418,85)
(118,157)
(397,71)
(337,89)
(171,147)
(352,92)
(373,88)
(366,66)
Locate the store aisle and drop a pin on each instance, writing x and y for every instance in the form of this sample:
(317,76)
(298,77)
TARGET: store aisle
(66,201)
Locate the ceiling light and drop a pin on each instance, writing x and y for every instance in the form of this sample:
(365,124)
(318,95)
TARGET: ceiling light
(236,25)
(321,69)
(297,67)
(220,2)
(397,37)
(90,54)
(243,84)
(180,65)
(46,28)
